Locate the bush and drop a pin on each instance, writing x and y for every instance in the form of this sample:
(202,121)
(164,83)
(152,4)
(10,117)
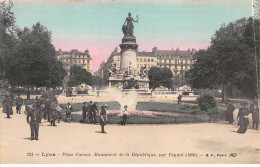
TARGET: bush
(206,102)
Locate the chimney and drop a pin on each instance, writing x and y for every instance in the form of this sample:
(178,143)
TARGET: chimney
(193,51)
(86,51)
(154,50)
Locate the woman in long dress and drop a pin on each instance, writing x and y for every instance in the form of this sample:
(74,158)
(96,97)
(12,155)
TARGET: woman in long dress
(129,25)
(243,118)
(103,118)
(242,112)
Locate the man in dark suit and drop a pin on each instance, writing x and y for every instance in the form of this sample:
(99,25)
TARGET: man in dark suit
(34,122)
(19,103)
(230,111)
(94,111)
(84,112)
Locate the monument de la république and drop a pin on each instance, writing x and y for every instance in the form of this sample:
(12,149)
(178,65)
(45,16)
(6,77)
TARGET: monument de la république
(128,77)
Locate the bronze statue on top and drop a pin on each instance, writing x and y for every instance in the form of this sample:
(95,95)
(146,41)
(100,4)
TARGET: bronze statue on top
(128,29)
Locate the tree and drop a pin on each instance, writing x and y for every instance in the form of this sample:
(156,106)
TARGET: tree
(79,75)
(229,61)
(160,77)
(7,33)
(33,62)
(99,83)
(56,74)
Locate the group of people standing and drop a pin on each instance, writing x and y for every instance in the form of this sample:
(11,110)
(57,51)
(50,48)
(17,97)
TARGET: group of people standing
(243,115)
(7,105)
(89,112)
(45,107)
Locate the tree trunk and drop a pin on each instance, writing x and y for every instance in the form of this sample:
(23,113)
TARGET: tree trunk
(223,92)
(28,93)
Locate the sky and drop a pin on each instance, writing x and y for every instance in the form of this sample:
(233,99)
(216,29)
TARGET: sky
(96,25)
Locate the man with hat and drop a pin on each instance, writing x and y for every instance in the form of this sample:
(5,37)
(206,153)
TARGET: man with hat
(93,112)
(8,106)
(68,112)
(19,103)
(179,98)
(89,116)
(35,116)
(5,104)
(103,117)
(125,114)
(84,112)
(47,110)
(229,112)
(254,109)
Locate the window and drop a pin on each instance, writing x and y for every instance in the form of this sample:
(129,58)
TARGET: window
(175,67)
(151,60)
(181,67)
(175,72)
(175,61)
(144,59)
(148,60)
(186,61)
(137,59)
(83,61)
(169,61)
(88,61)
(141,59)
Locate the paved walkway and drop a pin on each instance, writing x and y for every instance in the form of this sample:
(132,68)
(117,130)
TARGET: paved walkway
(177,143)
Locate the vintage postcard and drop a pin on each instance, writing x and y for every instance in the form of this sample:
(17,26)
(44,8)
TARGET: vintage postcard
(129,81)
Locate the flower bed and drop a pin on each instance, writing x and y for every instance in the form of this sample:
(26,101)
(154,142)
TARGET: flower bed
(146,117)
(152,113)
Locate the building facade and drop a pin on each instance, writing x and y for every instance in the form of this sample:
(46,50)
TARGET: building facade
(177,61)
(75,58)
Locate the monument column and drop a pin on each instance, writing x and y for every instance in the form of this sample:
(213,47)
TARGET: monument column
(128,53)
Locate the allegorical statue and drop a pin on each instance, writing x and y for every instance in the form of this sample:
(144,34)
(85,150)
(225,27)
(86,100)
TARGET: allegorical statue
(128,29)
(144,72)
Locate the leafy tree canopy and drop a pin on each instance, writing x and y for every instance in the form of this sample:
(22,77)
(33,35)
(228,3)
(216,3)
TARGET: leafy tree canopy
(160,77)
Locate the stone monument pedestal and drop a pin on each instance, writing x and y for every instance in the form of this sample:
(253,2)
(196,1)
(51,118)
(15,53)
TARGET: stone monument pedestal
(128,76)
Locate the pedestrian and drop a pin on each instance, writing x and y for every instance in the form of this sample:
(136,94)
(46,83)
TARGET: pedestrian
(48,109)
(103,118)
(84,112)
(179,98)
(59,110)
(229,112)
(255,117)
(8,107)
(89,116)
(244,121)
(19,103)
(5,104)
(54,113)
(94,111)
(68,112)
(34,122)
(125,114)
(243,111)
